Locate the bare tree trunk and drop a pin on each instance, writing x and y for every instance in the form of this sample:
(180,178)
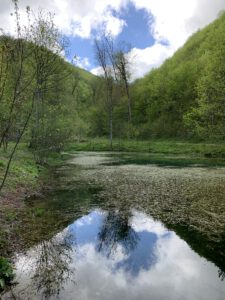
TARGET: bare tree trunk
(103,51)
(122,64)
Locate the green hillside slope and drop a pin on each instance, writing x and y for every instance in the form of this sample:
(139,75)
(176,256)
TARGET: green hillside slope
(186,95)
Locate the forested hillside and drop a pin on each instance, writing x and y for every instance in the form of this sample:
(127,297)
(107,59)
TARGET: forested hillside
(185,97)
(40,82)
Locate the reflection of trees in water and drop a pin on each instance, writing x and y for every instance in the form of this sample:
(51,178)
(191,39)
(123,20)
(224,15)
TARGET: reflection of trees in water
(117,230)
(221,274)
(52,267)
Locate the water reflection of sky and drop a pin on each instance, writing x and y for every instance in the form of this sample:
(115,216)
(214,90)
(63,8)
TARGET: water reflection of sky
(133,252)
(130,256)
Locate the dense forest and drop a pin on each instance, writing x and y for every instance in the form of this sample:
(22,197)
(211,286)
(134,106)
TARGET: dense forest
(185,96)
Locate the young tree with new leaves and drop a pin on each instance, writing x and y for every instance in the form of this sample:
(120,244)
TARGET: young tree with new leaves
(32,80)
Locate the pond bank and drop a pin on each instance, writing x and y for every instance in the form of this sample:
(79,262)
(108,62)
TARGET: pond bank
(198,150)
(26,180)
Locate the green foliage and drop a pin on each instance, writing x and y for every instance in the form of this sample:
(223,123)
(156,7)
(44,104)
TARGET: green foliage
(6,273)
(39,100)
(10,215)
(208,116)
(37,212)
(185,96)
(24,170)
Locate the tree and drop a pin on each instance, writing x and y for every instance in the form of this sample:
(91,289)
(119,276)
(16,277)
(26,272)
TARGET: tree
(102,55)
(17,92)
(47,45)
(31,87)
(122,64)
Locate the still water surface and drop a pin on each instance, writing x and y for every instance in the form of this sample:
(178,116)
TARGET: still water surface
(114,254)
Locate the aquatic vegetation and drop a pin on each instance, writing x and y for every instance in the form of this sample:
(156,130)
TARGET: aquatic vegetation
(6,273)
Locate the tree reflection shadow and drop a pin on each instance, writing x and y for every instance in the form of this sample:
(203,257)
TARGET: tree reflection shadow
(52,267)
(221,274)
(116,229)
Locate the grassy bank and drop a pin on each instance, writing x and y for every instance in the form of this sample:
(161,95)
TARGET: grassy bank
(26,179)
(160,152)
(23,171)
(25,174)
(152,146)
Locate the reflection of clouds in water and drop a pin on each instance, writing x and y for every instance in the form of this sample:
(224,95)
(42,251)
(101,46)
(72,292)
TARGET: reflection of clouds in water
(160,266)
(179,273)
(133,244)
(92,159)
(141,223)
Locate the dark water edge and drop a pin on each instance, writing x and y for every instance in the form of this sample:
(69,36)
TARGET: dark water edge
(74,199)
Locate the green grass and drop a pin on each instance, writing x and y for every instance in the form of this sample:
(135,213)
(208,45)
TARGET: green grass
(152,146)
(23,170)
(171,152)
(25,178)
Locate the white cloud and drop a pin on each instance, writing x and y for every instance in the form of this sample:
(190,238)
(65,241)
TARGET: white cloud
(143,60)
(73,17)
(173,21)
(169,20)
(82,62)
(113,25)
(141,222)
(97,71)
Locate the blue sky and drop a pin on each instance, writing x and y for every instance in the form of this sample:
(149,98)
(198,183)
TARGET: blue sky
(136,33)
(155,29)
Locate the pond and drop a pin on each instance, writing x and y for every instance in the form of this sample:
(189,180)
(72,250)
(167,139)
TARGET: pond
(124,229)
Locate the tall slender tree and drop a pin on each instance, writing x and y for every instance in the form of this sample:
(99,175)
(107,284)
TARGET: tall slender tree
(102,55)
